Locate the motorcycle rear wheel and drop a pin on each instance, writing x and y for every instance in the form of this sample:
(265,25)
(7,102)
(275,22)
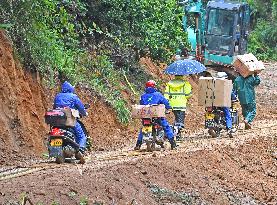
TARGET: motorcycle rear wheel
(150,146)
(212,132)
(60,159)
(79,156)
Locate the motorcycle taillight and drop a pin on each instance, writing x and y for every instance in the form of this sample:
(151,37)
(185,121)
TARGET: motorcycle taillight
(146,121)
(209,109)
(157,126)
(56,132)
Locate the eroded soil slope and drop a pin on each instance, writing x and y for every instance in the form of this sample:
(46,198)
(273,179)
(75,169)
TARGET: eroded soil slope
(22,107)
(23,104)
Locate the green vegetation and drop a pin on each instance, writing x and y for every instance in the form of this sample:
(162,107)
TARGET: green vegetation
(263,38)
(99,43)
(84,200)
(164,196)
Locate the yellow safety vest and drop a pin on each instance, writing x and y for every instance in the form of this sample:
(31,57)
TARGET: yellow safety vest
(177,92)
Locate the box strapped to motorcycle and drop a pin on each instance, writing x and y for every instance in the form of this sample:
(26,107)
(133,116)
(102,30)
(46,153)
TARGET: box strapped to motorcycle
(148,111)
(62,117)
(214,92)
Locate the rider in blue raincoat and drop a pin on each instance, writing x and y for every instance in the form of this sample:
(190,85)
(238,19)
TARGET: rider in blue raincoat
(226,110)
(67,98)
(151,97)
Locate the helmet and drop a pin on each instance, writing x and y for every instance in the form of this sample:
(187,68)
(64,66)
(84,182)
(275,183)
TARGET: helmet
(150,83)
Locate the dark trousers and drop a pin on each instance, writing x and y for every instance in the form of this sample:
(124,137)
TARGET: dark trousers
(179,118)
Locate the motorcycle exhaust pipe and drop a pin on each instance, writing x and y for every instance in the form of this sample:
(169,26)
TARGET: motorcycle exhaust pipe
(67,139)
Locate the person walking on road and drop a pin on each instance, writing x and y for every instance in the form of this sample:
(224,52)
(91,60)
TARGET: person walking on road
(245,88)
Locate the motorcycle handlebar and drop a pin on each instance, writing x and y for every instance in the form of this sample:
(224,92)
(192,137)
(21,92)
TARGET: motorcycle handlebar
(168,111)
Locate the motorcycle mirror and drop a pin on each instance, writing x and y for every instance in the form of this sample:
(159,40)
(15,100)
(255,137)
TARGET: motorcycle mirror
(87,106)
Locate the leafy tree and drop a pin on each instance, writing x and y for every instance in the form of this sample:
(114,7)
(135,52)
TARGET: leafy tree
(263,39)
(148,27)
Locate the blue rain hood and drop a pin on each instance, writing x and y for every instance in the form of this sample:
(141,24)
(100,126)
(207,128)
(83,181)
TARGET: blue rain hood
(67,87)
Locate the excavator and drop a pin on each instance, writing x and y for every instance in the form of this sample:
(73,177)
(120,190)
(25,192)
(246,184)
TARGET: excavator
(217,31)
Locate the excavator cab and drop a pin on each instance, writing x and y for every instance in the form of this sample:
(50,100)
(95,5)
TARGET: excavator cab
(219,30)
(226,31)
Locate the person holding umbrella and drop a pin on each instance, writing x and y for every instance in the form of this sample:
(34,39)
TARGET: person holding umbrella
(179,90)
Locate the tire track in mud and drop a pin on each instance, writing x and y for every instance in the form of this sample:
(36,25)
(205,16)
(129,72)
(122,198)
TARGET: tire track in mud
(196,142)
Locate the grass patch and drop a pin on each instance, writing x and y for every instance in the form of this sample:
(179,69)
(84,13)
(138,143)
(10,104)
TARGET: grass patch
(163,196)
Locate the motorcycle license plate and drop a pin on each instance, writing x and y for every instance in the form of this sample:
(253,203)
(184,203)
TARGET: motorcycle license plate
(56,142)
(146,129)
(209,116)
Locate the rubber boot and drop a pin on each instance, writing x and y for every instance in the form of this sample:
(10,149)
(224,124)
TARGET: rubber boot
(80,155)
(138,145)
(172,143)
(230,133)
(247,125)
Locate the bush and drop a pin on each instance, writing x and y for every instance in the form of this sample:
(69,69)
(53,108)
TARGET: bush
(263,40)
(95,42)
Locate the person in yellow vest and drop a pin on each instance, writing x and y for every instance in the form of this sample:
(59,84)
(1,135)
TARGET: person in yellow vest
(178,91)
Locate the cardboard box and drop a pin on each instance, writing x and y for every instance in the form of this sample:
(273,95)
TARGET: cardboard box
(246,64)
(148,111)
(214,92)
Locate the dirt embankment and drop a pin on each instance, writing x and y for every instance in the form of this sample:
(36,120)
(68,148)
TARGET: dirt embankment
(21,109)
(23,104)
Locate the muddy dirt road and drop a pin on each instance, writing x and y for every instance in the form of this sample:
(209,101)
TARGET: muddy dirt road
(201,171)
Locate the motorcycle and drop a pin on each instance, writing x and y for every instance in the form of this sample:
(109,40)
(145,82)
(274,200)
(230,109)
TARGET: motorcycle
(152,133)
(215,119)
(61,140)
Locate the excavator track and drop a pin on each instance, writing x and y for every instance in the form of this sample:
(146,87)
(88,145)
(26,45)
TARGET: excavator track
(190,144)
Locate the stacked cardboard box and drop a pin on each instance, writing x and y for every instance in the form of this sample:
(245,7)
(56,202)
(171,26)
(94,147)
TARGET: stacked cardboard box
(148,111)
(247,64)
(214,92)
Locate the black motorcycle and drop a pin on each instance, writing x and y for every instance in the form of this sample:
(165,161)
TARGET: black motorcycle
(152,133)
(215,120)
(61,140)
